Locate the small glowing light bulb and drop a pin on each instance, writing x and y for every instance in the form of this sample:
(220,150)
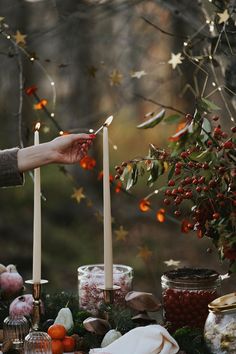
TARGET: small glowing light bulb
(213,84)
(91,130)
(115,147)
(8,36)
(211,27)
(52,83)
(52,114)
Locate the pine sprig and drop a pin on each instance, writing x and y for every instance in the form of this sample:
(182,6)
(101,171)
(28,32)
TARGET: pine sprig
(191,341)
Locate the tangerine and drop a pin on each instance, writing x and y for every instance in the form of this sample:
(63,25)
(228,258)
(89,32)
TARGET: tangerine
(68,344)
(57,346)
(57,331)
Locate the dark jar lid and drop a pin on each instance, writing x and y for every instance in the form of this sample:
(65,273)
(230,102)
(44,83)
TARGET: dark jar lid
(191,278)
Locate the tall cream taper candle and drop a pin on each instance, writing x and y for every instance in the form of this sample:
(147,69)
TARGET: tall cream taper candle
(37,218)
(108,253)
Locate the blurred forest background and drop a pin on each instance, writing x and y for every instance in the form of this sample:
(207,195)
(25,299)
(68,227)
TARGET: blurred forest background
(105,57)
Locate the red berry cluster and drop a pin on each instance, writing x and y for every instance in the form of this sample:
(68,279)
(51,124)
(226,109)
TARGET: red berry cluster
(202,175)
(210,184)
(186,307)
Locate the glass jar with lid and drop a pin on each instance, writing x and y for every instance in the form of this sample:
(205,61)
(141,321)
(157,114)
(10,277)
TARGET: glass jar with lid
(220,326)
(186,293)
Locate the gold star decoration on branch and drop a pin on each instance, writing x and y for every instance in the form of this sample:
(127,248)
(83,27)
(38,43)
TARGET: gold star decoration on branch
(138,74)
(20,38)
(223,16)
(175,60)
(121,234)
(145,253)
(172,262)
(115,77)
(78,194)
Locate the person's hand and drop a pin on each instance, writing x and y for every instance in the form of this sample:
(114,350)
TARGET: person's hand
(66,149)
(71,148)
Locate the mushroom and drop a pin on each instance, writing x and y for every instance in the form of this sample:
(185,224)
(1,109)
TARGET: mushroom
(96,325)
(142,301)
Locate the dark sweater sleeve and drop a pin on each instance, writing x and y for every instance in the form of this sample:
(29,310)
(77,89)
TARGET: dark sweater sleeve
(9,173)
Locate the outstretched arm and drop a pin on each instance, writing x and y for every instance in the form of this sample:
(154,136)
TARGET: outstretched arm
(66,149)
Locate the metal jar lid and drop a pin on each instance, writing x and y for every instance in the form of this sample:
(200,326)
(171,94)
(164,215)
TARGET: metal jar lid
(223,303)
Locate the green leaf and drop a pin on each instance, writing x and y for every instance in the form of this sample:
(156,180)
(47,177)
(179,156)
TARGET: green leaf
(150,123)
(173,118)
(208,105)
(172,170)
(154,173)
(205,156)
(133,177)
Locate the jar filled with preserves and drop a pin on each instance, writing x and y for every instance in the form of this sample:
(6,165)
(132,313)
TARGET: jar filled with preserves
(220,326)
(186,293)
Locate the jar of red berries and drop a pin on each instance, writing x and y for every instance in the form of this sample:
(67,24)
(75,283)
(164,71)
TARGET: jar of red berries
(186,293)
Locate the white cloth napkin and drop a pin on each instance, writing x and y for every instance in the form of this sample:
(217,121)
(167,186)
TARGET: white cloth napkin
(152,339)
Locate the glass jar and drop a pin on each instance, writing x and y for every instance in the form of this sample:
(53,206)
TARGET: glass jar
(38,342)
(220,326)
(15,328)
(91,278)
(186,293)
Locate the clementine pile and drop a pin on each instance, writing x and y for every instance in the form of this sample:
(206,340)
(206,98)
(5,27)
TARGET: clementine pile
(60,341)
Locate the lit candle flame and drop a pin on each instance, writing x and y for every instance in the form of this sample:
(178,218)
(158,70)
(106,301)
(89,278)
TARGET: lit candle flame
(108,121)
(37,126)
(105,124)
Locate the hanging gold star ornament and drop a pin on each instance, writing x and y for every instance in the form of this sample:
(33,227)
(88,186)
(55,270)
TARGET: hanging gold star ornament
(20,38)
(115,77)
(223,16)
(145,253)
(121,234)
(175,60)
(138,74)
(172,262)
(78,194)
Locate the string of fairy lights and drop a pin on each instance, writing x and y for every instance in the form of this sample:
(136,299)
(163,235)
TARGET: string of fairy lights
(203,63)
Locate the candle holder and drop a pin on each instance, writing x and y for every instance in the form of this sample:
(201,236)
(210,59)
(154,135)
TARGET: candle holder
(92,293)
(109,294)
(36,292)
(108,299)
(37,341)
